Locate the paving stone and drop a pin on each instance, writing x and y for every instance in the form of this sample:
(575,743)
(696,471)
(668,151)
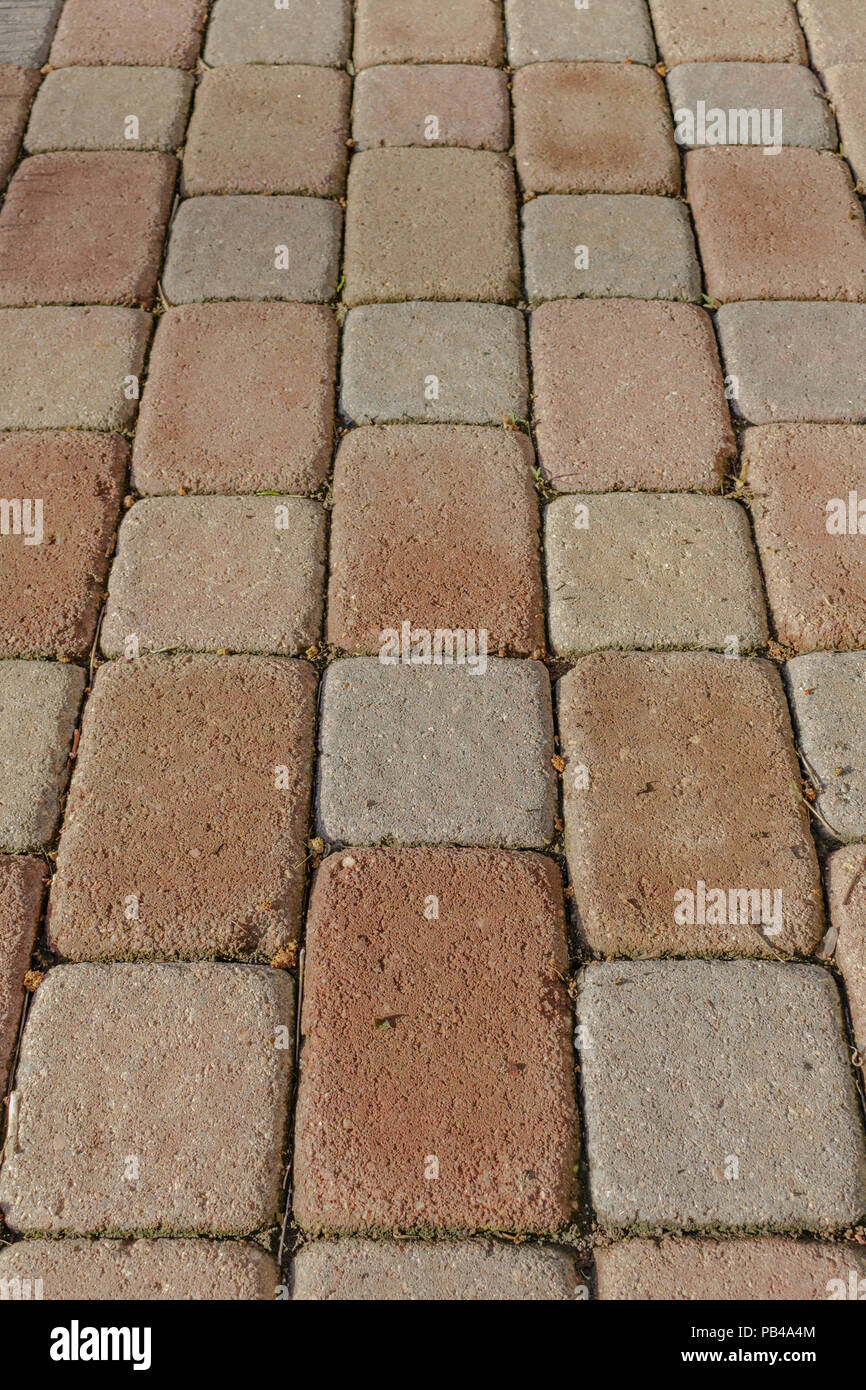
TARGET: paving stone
(88,109)
(38,713)
(185,823)
(593,128)
(17,86)
(52,579)
(26,27)
(601,245)
(828,697)
(410,542)
(70,368)
(452,363)
(85,228)
(239,398)
(246,247)
(717,1270)
(836,30)
(437,753)
(846,896)
(269,130)
(805,117)
(259,574)
(164,33)
(141,1269)
(437,1092)
(628,395)
(638,570)
(608,33)
(847,86)
(677,1089)
(431,224)
(795,361)
(394,106)
(22,884)
(681,772)
(800,480)
(451,31)
(145,1070)
(302,31)
(691,31)
(787,227)
(440,1271)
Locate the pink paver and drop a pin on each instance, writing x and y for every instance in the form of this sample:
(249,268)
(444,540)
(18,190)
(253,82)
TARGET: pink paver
(17,86)
(432,104)
(753,1270)
(22,884)
(163,33)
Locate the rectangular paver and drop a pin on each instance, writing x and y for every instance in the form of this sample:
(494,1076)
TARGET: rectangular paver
(836,30)
(637,571)
(424,1271)
(187,814)
(719,1094)
(617,31)
(846,84)
(210,574)
(300,31)
(431,224)
(410,542)
(68,487)
(17,86)
(129,1270)
(164,33)
(437,1092)
(436,753)
(691,31)
(447,363)
(760,103)
(26,29)
(593,128)
(431,104)
(828,696)
(628,395)
(38,712)
(22,885)
(153,1099)
(85,228)
(90,109)
(685,827)
(748,1269)
(451,31)
(246,247)
(239,398)
(846,896)
(269,130)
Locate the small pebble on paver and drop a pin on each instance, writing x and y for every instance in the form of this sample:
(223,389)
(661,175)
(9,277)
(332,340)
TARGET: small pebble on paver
(602,245)
(637,571)
(629,395)
(772,104)
(593,128)
(153,1099)
(847,87)
(186,817)
(239,398)
(259,571)
(269,130)
(93,109)
(163,33)
(785,227)
(451,363)
(246,247)
(431,224)
(85,228)
(752,1270)
(300,31)
(17,86)
(22,884)
(791,362)
(807,492)
(69,487)
(38,713)
(846,895)
(437,1091)
(451,31)
(70,368)
(836,30)
(609,33)
(435,753)
(142,1269)
(425,1271)
(431,104)
(698,1071)
(828,697)
(738,31)
(682,803)
(437,526)
(26,29)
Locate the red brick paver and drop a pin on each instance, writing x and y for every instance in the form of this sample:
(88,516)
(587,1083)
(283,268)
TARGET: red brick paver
(164,33)
(17,86)
(451,31)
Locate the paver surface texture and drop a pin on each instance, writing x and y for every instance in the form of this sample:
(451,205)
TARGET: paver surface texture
(146,1269)
(364,1270)
(756,1270)
(89,109)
